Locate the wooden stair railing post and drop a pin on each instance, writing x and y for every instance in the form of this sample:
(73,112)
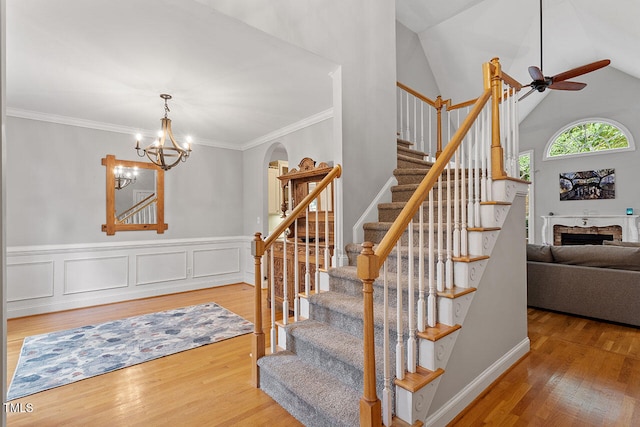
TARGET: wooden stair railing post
(493,74)
(368,271)
(258,341)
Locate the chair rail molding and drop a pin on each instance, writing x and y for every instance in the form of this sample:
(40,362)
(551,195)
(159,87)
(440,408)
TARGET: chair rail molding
(47,278)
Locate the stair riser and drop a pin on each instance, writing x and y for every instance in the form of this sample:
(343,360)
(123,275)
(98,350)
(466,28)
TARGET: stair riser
(402,193)
(408,175)
(408,152)
(375,235)
(410,163)
(388,213)
(349,374)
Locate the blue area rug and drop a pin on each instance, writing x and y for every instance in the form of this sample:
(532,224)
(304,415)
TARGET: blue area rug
(60,358)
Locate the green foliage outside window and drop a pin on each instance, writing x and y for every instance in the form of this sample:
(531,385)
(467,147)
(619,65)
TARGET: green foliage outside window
(588,137)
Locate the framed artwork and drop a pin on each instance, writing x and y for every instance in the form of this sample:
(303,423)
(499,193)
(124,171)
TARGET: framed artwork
(588,185)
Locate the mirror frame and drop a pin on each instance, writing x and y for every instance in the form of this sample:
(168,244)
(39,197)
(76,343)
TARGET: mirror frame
(111,227)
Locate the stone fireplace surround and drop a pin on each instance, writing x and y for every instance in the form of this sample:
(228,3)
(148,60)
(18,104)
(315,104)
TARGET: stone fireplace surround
(554,225)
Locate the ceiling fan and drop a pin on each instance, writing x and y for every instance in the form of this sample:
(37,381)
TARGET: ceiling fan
(541,82)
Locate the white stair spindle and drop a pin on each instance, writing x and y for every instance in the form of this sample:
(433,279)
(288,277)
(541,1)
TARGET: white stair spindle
(285,282)
(399,342)
(387,402)
(296,279)
(274,333)
(411,342)
(422,305)
(431,302)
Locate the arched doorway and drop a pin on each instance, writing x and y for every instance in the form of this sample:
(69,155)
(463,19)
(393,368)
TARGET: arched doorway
(278,164)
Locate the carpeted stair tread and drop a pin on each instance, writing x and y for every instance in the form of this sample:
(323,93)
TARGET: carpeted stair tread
(329,348)
(409,152)
(412,162)
(312,395)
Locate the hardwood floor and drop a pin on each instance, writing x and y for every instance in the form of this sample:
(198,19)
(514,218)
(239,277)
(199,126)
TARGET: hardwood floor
(207,386)
(580,372)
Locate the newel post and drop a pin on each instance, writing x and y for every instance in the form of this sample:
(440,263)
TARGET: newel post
(497,153)
(368,270)
(258,341)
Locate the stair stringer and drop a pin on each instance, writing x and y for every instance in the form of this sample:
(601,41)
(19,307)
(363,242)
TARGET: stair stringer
(414,405)
(489,341)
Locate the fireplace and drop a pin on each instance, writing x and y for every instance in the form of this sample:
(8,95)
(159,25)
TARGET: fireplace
(620,227)
(576,235)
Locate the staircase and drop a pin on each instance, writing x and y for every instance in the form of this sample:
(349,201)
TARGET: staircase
(408,289)
(319,377)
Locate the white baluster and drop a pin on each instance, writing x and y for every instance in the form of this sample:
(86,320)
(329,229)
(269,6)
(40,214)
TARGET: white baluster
(411,342)
(422,306)
(307,275)
(399,324)
(440,265)
(317,244)
(296,279)
(274,333)
(387,401)
(431,302)
(285,280)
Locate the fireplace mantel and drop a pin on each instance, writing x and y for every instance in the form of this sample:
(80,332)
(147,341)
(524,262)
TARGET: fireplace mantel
(627,222)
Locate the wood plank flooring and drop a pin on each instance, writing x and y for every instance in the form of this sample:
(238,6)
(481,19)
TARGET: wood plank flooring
(207,386)
(580,372)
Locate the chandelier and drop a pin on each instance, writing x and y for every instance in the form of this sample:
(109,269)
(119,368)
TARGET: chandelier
(124,176)
(165,156)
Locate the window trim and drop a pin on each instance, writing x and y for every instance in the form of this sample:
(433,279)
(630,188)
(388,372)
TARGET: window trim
(621,127)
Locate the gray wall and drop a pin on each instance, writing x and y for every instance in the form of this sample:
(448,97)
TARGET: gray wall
(610,94)
(359,36)
(315,141)
(412,66)
(56,187)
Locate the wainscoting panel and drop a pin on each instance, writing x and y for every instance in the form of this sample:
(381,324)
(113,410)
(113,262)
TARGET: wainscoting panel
(213,262)
(36,279)
(43,279)
(95,274)
(161,267)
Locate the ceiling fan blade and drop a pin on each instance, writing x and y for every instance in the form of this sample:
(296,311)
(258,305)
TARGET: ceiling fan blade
(580,70)
(536,73)
(526,94)
(563,85)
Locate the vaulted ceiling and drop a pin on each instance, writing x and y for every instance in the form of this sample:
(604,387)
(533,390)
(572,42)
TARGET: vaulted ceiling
(458,35)
(106,61)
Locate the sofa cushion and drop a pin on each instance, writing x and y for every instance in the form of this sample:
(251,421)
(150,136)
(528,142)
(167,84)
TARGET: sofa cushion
(604,256)
(626,244)
(539,253)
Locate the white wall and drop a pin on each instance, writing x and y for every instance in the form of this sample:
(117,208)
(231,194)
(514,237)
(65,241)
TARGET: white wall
(315,141)
(610,94)
(58,257)
(359,36)
(412,66)
(56,187)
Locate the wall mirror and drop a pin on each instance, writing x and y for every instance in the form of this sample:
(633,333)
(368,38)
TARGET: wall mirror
(135,196)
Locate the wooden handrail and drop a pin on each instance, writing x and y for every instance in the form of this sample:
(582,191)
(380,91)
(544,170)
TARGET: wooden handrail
(258,249)
(416,94)
(300,207)
(395,232)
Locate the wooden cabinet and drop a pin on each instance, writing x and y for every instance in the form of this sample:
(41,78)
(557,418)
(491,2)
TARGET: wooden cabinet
(313,230)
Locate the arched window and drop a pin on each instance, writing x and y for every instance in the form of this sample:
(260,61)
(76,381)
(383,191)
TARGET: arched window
(591,136)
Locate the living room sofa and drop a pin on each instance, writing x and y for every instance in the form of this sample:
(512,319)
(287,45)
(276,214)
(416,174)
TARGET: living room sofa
(598,281)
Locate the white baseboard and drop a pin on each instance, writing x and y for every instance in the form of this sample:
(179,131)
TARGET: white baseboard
(467,395)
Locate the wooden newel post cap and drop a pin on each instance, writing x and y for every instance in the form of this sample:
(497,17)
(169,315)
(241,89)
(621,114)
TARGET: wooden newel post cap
(257,245)
(368,268)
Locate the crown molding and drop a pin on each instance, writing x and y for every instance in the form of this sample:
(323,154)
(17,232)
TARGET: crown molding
(109,127)
(311,120)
